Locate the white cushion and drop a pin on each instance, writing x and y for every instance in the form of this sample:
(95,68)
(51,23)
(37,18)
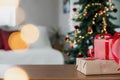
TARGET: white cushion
(43,40)
(44,56)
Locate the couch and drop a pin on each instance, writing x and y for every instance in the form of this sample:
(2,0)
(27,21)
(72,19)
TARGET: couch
(39,53)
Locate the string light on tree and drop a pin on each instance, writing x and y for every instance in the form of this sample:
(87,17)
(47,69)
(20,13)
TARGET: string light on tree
(90,5)
(85,14)
(107,15)
(75,33)
(80,17)
(83,36)
(101,12)
(106,9)
(105,25)
(93,22)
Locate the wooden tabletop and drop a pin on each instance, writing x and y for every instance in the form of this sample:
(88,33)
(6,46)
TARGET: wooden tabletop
(56,72)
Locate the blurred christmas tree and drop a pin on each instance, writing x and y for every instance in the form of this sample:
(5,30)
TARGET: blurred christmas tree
(94,18)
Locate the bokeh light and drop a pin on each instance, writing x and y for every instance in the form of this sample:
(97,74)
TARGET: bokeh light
(16,43)
(14,3)
(30,33)
(15,73)
(20,15)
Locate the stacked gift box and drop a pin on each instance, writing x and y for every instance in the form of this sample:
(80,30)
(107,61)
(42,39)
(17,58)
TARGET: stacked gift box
(106,59)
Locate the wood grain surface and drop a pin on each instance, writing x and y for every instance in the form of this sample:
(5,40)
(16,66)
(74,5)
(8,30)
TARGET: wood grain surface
(56,72)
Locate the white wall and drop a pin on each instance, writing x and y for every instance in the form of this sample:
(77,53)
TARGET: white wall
(63,19)
(41,12)
(72,23)
(50,13)
(46,12)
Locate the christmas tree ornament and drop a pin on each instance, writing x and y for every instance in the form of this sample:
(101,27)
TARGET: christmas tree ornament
(71,46)
(115,10)
(90,31)
(66,39)
(67,54)
(76,27)
(101,12)
(74,9)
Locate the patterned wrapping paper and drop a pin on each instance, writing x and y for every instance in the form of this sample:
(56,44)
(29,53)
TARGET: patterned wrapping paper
(95,66)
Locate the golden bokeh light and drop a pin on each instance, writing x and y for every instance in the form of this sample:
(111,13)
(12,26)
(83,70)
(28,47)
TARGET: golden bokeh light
(15,73)
(30,33)
(12,3)
(16,43)
(20,15)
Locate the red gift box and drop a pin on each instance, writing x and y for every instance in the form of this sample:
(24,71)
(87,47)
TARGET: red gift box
(102,47)
(107,47)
